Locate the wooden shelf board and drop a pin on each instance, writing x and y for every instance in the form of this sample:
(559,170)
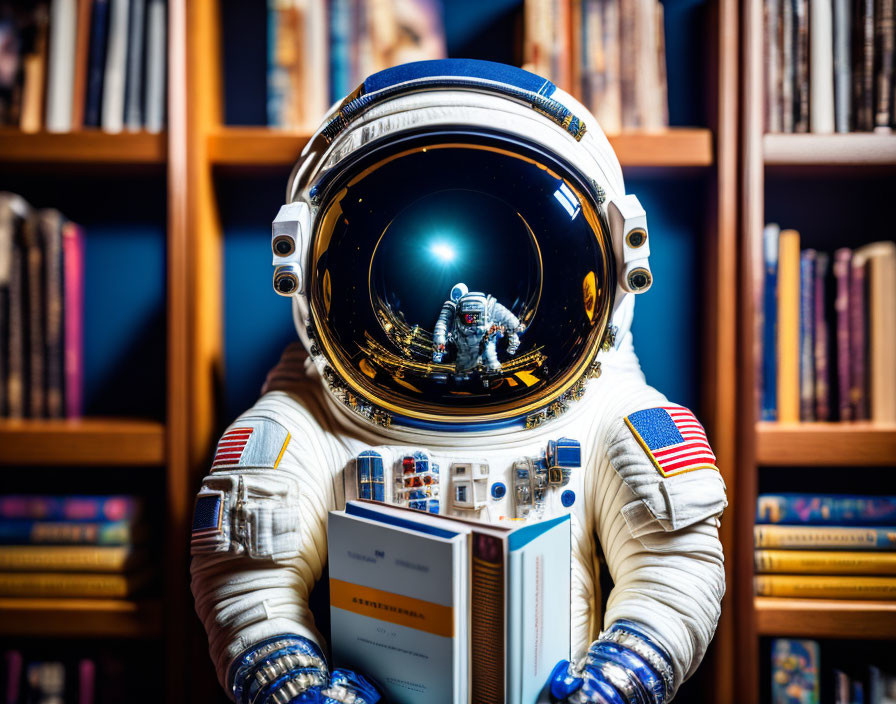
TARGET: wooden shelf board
(829,444)
(81,618)
(260,146)
(88,147)
(88,441)
(860,149)
(825,618)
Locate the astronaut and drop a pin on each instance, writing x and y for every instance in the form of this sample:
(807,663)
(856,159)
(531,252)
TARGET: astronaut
(510,169)
(474,322)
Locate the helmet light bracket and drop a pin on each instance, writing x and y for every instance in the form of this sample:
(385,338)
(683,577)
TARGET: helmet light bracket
(631,244)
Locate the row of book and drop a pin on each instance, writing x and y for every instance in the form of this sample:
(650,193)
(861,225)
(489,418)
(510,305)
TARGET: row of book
(102,678)
(828,331)
(798,678)
(320,51)
(610,54)
(829,65)
(824,545)
(41,312)
(72,546)
(74,64)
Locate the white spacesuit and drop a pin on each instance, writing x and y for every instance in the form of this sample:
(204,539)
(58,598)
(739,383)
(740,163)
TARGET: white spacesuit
(499,164)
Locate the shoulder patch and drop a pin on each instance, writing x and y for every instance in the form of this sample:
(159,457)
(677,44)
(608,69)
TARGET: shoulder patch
(251,443)
(673,439)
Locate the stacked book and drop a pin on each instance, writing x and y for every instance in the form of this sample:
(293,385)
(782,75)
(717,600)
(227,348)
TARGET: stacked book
(74,64)
(611,54)
(41,312)
(86,678)
(829,65)
(798,677)
(71,546)
(320,51)
(827,546)
(828,331)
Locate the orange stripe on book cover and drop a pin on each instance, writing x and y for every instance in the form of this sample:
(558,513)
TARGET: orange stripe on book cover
(395,608)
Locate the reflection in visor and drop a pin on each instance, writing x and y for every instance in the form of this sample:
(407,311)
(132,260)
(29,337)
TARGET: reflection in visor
(450,280)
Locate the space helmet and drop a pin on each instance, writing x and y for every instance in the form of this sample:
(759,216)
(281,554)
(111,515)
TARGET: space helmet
(456,240)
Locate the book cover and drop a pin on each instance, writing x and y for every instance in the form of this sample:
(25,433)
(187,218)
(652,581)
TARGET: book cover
(114,77)
(842,688)
(826,509)
(788,354)
(17,342)
(70,558)
(67,584)
(61,64)
(787,74)
(70,508)
(842,36)
(133,88)
(771,60)
(601,74)
(842,269)
(858,336)
(34,69)
(13,22)
(822,338)
(50,228)
(795,671)
(863,66)
(824,562)
(25,532)
(34,318)
(801,65)
(769,403)
(73,283)
(825,538)
(96,64)
(13,212)
(821,67)
(884,40)
(340,49)
(881,258)
(80,69)
(14,665)
(155,100)
(807,335)
(825,586)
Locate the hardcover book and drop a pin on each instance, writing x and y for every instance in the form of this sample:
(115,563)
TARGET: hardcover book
(842,268)
(68,584)
(795,671)
(826,509)
(70,508)
(788,356)
(769,404)
(807,335)
(825,538)
(822,346)
(825,586)
(824,562)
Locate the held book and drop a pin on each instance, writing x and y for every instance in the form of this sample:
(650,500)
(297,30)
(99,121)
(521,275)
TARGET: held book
(819,562)
(825,538)
(826,509)
(397,575)
(825,587)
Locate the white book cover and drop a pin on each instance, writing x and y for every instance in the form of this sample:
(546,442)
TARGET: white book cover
(134,82)
(821,67)
(61,68)
(116,65)
(399,602)
(154,100)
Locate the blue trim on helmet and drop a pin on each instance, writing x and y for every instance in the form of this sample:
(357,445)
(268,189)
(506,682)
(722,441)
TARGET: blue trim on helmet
(467,68)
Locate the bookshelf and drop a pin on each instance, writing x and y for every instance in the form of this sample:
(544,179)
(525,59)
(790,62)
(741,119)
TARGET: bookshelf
(796,164)
(82,618)
(82,148)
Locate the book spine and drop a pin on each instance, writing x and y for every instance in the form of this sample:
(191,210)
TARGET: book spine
(882,333)
(80,69)
(825,538)
(829,587)
(54,313)
(857,339)
(842,32)
(15,379)
(65,558)
(340,49)
(34,267)
(815,509)
(769,406)
(50,584)
(116,63)
(788,66)
(133,104)
(842,268)
(156,60)
(863,63)
(487,627)
(60,66)
(772,13)
(604,57)
(821,67)
(628,74)
(34,68)
(19,532)
(824,562)
(822,345)
(884,28)
(99,30)
(788,355)
(73,281)
(801,63)
(807,335)
(69,508)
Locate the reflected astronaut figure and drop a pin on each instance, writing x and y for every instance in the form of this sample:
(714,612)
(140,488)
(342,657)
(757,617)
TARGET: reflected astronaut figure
(474,322)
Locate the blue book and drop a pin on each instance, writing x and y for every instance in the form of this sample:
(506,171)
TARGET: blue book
(340,49)
(826,509)
(769,395)
(72,508)
(807,335)
(795,671)
(25,532)
(96,66)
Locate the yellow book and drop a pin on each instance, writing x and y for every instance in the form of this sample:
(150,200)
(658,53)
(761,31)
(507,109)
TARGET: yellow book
(69,558)
(788,353)
(825,537)
(825,562)
(67,584)
(881,257)
(824,587)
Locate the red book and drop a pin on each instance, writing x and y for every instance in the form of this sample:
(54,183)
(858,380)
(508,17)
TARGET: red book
(842,266)
(73,276)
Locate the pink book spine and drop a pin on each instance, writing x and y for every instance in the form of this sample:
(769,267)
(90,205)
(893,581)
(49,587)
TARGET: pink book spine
(857,376)
(86,681)
(842,265)
(73,255)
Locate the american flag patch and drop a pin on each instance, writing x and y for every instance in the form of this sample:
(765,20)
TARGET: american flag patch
(673,439)
(231,446)
(208,513)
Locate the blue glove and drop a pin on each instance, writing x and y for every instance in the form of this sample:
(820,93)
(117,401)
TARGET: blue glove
(623,667)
